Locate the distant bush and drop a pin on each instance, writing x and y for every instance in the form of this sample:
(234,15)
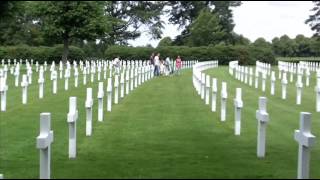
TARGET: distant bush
(41,53)
(245,54)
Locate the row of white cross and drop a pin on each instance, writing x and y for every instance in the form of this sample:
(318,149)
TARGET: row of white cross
(45,138)
(132,69)
(241,73)
(302,136)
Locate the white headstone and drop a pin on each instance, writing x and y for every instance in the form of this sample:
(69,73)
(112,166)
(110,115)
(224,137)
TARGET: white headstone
(100,102)
(44,141)
(256,84)
(109,91)
(299,86)
(306,140)
(3,93)
(284,83)
(24,85)
(41,82)
(66,80)
(54,77)
(72,121)
(207,89)
(127,82)
(203,85)
(273,81)
(263,118)
(214,95)
(89,104)
(224,96)
(122,85)
(238,104)
(116,89)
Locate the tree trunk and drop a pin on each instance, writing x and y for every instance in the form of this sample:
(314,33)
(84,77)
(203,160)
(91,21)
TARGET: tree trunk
(65,49)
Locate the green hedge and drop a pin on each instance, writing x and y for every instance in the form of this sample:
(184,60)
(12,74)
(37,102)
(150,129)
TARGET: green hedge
(245,54)
(297,59)
(41,53)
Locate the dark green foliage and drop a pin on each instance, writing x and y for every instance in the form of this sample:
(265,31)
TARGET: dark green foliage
(41,53)
(313,19)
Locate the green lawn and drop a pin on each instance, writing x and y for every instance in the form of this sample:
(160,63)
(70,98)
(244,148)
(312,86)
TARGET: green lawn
(161,130)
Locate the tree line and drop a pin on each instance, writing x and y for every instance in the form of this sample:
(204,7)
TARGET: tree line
(94,26)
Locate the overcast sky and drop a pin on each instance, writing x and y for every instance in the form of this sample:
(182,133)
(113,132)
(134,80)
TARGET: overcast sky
(254,19)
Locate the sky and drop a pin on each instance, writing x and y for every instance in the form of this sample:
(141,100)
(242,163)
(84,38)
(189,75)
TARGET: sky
(254,19)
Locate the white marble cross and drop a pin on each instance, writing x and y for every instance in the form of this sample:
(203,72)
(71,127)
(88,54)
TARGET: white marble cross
(299,86)
(44,141)
(224,96)
(139,76)
(284,83)
(93,71)
(99,72)
(273,81)
(72,121)
(109,91)
(264,77)
(61,69)
(238,105)
(122,85)
(41,82)
(203,85)
(207,96)
(116,89)
(127,82)
(100,102)
(16,74)
(131,79)
(214,95)
(84,75)
(3,93)
(54,76)
(306,140)
(263,118)
(256,84)
(76,75)
(88,105)
(246,71)
(317,89)
(250,76)
(136,78)
(66,79)
(29,74)
(307,77)
(24,85)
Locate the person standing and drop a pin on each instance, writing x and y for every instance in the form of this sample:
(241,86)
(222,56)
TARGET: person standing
(178,64)
(157,64)
(116,64)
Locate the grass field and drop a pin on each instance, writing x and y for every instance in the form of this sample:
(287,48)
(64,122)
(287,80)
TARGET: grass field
(161,130)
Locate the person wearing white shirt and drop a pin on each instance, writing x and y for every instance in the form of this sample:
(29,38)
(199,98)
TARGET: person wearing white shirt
(157,64)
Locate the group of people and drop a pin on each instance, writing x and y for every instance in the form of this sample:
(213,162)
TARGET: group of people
(161,67)
(164,67)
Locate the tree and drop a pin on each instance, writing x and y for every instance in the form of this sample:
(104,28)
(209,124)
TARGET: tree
(303,46)
(261,42)
(240,39)
(206,30)
(284,46)
(66,20)
(184,13)
(224,12)
(166,41)
(126,17)
(314,19)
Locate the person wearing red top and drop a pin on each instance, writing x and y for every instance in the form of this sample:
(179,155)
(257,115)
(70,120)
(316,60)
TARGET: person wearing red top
(178,64)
